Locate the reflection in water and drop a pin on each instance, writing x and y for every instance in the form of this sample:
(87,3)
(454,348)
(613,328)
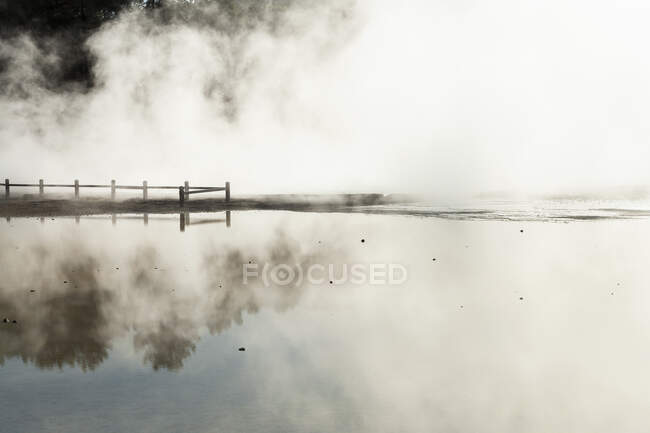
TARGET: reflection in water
(184,219)
(57,327)
(510,323)
(70,303)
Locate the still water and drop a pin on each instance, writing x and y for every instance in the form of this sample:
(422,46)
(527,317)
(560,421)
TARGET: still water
(532,326)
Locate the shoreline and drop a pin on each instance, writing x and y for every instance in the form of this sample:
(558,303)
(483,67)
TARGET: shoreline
(371,204)
(31,207)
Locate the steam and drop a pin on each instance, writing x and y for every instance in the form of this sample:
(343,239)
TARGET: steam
(70,306)
(443,97)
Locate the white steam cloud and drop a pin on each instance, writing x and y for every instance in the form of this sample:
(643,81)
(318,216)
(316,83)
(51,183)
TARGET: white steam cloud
(441,97)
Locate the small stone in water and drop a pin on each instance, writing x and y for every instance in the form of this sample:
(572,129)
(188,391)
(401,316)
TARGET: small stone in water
(242,349)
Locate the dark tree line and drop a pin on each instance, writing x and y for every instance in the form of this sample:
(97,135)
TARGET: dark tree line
(65,25)
(62,26)
(40,15)
(43,15)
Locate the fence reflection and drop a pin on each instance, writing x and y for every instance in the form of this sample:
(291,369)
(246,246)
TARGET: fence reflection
(184,219)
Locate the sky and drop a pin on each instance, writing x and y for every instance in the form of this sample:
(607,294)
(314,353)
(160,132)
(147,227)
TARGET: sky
(446,98)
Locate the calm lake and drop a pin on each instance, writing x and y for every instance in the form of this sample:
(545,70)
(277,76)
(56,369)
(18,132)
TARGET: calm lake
(442,325)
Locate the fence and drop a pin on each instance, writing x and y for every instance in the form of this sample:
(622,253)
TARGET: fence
(183,191)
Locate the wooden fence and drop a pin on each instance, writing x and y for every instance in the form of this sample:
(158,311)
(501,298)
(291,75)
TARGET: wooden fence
(183,191)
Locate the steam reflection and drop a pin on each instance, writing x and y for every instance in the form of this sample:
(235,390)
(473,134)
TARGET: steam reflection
(70,302)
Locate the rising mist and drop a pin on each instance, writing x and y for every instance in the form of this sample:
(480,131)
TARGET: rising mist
(445,98)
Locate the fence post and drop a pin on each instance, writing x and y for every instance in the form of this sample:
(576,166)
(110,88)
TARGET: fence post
(7,188)
(113,189)
(76,188)
(187,190)
(144,190)
(41,188)
(181,195)
(227,191)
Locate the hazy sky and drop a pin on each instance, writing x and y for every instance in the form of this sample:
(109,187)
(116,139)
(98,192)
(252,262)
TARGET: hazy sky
(444,97)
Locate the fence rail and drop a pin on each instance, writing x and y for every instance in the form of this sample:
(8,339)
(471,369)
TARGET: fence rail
(184,191)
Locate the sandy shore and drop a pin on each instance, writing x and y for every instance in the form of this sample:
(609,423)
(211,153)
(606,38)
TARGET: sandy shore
(93,206)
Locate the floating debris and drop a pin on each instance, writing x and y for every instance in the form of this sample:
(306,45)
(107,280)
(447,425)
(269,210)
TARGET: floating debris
(14,321)
(32,291)
(363,240)
(5,320)
(434,259)
(242,349)
(521,298)
(331,282)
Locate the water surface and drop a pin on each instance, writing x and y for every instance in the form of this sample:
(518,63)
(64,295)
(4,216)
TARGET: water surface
(515,326)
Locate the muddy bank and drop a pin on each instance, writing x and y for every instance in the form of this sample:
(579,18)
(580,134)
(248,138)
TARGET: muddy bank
(93,206)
